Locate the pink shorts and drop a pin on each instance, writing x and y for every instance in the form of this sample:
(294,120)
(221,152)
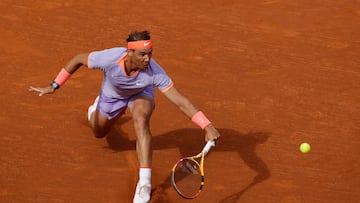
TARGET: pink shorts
(112,107)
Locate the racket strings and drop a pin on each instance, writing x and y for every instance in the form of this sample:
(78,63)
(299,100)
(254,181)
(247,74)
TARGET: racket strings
(187,178)
(192,168)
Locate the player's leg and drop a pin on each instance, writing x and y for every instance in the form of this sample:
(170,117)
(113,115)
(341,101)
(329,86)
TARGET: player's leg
(141,109)
(101,125)
(102,121)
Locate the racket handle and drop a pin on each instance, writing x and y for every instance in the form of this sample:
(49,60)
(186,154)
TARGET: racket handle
(208,145)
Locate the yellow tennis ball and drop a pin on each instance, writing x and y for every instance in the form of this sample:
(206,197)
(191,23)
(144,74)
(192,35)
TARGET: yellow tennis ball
(305,147)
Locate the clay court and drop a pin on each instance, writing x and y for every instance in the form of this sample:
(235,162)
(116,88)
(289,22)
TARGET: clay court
(270,74)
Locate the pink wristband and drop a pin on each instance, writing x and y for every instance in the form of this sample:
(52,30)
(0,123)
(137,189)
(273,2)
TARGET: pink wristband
(62,77)
(200,119)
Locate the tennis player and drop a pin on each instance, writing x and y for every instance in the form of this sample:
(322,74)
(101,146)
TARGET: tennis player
(130,75)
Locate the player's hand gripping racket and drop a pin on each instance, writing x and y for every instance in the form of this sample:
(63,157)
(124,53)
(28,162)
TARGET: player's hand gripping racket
(187,175)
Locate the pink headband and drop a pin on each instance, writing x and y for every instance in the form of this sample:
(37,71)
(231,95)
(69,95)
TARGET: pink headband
(141,44)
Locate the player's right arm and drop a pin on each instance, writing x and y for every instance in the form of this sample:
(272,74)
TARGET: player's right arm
(75,63)
(186,106)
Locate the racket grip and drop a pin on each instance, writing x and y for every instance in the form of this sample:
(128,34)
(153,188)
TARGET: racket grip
(208,145)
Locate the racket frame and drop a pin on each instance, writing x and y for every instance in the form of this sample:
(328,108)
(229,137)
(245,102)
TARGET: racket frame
(201,155)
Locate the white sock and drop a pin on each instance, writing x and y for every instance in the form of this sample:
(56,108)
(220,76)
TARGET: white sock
(145,176)
(92,108)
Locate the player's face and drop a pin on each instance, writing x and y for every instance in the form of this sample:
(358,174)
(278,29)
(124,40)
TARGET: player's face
(141,57)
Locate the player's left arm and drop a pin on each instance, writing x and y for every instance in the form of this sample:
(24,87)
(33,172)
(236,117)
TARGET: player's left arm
(186,106)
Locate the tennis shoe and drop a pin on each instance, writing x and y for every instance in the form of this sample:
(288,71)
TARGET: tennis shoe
(142,193)
(92,108)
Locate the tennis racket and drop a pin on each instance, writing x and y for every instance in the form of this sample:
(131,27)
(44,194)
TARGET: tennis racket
(187,175)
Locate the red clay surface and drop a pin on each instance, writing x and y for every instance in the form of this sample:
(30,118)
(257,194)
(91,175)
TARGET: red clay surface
(270,74)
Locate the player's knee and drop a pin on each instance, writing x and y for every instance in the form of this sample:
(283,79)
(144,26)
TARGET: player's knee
(99,133)
(141,122)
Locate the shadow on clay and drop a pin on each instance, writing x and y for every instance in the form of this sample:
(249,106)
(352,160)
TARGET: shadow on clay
(231,140)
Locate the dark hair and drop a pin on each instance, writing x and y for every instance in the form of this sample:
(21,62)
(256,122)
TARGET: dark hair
(136,36)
